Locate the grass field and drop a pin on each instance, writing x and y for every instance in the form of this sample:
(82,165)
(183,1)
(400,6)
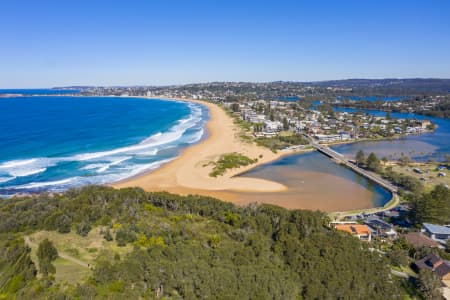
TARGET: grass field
(429,177)
(77,253)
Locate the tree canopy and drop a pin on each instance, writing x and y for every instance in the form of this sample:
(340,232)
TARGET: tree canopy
(192,247)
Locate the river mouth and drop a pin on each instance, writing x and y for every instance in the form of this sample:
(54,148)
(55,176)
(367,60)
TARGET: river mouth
(314,182)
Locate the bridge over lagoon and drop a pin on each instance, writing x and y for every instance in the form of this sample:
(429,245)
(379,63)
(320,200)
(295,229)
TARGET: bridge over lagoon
(339,158)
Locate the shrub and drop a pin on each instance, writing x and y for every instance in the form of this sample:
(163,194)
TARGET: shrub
(230,161)
(83,228)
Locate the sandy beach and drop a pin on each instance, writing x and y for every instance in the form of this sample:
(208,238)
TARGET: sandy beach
(187,174)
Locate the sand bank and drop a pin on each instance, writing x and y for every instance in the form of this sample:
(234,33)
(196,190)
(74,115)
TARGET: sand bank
(187,174)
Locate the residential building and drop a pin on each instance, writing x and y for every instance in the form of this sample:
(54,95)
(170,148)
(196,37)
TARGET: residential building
(380,228)
(419,240)
(362,232)
(438,233)
(436,264)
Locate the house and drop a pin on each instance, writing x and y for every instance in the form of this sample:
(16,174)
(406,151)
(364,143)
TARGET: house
(380,228)
(436,264)
(324,138)
(437,232)
(419,240)
(345,136)
(362,232)
(273,126)
(424,123)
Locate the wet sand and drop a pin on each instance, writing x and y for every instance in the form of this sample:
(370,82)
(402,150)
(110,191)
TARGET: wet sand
(317,183)
(290,187)
(189,173)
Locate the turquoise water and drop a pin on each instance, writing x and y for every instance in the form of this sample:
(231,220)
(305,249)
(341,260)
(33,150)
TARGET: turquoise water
(57,142)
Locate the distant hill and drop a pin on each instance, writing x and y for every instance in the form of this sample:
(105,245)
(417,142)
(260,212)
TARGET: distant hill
(417,85)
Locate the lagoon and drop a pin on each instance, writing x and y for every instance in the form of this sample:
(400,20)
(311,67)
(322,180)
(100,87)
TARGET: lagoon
(435,145)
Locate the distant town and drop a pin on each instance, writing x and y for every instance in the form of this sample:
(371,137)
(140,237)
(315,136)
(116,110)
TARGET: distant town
(273,109)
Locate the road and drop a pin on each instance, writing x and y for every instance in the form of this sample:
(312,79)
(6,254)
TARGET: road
(341,159)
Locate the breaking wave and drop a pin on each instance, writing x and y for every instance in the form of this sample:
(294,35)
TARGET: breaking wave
(60,173)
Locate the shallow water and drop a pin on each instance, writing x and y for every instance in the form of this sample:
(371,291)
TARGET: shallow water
(315,182)
(422,147)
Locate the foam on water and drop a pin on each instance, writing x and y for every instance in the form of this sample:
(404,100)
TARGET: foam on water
(114,163)
(16,163)
(6,179)
(63,172)
(26,172)
(33,185)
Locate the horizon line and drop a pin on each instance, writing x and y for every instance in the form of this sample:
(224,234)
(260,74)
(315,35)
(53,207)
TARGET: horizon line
(225,81)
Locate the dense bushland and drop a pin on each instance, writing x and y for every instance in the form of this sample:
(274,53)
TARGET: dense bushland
(190,247)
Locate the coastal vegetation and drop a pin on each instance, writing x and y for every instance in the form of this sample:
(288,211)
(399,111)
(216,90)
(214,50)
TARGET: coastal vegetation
(406,183)
(244,127)
(186,248)
(309,91)
(282,141)
(423,284)
(429,173)
(372,163)
(229,161)
(425,105)
(430,207)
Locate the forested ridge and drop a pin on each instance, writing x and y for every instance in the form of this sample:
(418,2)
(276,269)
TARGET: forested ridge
(189,248)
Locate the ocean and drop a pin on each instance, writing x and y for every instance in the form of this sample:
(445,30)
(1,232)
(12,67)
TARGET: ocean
(30,92)
(53,143)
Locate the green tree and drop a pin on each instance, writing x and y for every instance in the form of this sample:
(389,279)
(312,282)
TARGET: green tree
(285,124)
(360,158)
(235,107)
(398,257)
(83,228)
(404,160)
(432,207)
(63,223)
(46,254)
(107,235)
(373,163)
(429,285)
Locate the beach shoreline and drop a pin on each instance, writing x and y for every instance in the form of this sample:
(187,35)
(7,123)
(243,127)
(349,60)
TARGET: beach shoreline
(187,173)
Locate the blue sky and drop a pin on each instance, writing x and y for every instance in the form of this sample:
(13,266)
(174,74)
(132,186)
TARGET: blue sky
(97,42)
